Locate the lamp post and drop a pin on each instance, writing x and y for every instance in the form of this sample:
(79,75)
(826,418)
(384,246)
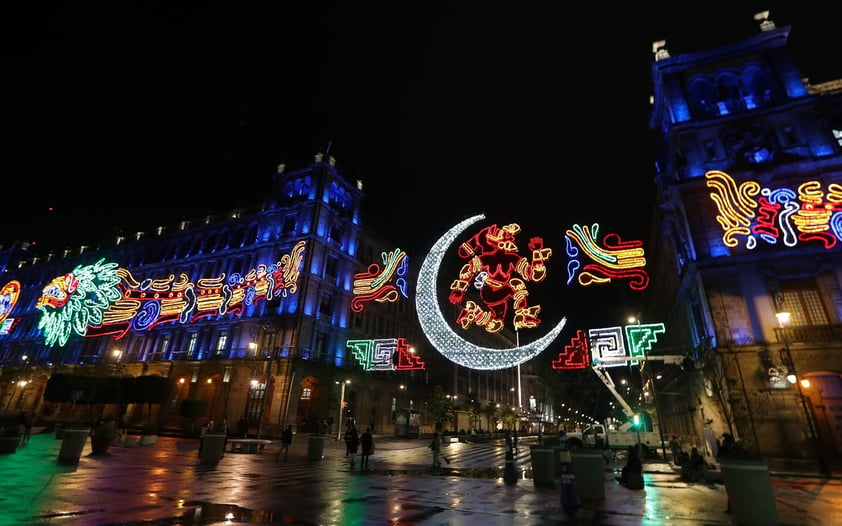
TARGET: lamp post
(792,377)
(341,407)
(265,394)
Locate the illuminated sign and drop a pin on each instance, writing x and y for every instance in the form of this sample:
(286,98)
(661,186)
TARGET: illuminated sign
(384,285)
(444,338)
(499,273)
(749,212)
(388,354)
(104,298)
(9,295)
(608,347)
(615,259)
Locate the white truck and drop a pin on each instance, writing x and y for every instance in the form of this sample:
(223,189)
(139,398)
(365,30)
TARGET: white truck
(598,436)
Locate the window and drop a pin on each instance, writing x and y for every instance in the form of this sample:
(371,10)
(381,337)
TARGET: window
(803,301)
(331,266)
(162,349)
(191,345)
(289,224)
(325,305)
(306,393)
(220,343)
(790,136)
(710,150)
(335,234)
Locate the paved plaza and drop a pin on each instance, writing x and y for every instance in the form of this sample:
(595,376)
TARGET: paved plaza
(166,484)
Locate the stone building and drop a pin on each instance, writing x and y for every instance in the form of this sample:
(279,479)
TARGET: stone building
(748,241)
(253,311)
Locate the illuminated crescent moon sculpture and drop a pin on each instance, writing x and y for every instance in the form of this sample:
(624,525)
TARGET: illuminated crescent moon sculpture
(442,336)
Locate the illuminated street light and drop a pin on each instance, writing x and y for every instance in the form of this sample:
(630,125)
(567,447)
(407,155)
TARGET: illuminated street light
(341,407)
(792,377)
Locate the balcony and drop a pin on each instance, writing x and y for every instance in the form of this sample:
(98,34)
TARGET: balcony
(809,334)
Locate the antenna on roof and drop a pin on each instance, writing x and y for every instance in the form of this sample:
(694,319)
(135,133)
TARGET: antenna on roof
(660,50)
(765,23)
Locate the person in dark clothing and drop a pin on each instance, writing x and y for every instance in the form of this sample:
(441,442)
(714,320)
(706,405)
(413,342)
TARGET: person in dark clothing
(367,443)
(286,441)
(27,420)
(242,427)
(631,476)
(727,448)
(352,442)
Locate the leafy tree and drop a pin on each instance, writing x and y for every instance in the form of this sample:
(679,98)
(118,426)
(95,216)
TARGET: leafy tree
(438,406)
(474,411)
(508,417)
(193,409)
(492,413)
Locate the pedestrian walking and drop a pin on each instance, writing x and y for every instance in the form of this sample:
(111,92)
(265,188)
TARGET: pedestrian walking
(352,442)
(367,443)
(286,441)
(350,438)
(435,447)
(27,421)
(675,448)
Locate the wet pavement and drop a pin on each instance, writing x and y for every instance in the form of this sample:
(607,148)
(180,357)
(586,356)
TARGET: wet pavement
(167,484)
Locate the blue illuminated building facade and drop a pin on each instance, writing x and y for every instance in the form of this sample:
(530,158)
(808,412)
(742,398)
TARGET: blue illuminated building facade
(748,237)
(250,311)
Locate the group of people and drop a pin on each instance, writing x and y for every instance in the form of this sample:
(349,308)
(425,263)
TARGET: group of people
(353,442)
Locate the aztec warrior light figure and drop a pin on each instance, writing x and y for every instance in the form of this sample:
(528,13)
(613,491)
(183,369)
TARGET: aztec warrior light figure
(500,274)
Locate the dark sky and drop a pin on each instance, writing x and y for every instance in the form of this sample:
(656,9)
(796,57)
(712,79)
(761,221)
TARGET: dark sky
(128,115)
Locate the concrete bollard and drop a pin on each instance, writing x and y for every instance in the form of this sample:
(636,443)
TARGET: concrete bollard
(213,447)
(570,501)
(749,488)
(590,474)
(316,446)
(509,473)
(72,443)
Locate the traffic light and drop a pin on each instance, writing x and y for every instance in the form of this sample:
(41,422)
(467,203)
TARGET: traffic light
(344,404)
(636,420)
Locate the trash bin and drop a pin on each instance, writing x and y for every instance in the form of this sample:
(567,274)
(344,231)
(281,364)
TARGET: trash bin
(72,443)
(543,465)
(589,467)
(213,446)
(749,489)
(315,447)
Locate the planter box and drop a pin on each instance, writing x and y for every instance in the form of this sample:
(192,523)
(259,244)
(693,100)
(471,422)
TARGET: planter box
(130,441)
(9,444)
(148,440)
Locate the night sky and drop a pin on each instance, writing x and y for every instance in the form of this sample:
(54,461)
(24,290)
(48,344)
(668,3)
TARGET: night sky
(125,116)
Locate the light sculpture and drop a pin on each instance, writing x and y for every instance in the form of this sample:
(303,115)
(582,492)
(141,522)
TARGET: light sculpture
(438,331)
(384,285)
(749,212)
(615,259)
(106,299)
(379,355)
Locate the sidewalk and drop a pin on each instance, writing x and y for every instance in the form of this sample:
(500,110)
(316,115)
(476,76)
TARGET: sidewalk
(165,484)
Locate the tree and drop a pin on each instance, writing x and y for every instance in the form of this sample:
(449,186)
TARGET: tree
(193,409)
(508,417)
(439,407)
(492,413)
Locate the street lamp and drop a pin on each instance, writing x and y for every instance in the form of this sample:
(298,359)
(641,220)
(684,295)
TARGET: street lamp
(792,378)
(341,407)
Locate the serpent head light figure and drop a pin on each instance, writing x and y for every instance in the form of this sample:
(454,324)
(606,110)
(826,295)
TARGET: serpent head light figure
(442,336)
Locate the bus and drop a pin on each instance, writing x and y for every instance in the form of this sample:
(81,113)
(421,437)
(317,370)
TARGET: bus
(407,423)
